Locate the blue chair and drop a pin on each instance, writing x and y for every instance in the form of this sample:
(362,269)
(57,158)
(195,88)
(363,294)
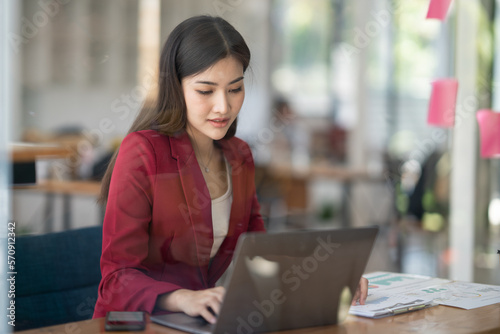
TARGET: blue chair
(58,275)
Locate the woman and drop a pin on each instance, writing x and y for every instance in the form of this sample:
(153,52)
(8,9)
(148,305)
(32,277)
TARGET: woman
(182,186)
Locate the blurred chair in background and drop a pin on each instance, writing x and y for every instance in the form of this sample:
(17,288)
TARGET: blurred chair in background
(58,275)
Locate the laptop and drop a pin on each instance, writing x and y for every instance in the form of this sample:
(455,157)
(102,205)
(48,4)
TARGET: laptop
(287,280)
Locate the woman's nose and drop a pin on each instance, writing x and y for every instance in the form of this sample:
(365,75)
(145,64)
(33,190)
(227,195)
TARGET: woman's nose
(222,103)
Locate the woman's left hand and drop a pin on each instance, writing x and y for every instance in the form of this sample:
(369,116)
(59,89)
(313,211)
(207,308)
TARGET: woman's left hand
(361,292)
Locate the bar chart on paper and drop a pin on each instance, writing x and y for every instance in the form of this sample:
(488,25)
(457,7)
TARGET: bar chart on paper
(394,293)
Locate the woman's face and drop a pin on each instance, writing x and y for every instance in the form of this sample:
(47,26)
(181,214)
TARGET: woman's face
(214,98)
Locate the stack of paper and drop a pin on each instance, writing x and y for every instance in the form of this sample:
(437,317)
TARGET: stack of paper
(392,293)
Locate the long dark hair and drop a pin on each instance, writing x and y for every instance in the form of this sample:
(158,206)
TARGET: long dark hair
(193,46)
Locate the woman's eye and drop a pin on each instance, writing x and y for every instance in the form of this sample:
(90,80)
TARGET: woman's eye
(236,90)
(204,92)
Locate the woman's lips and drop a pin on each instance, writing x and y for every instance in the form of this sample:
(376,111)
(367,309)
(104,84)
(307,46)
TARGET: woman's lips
(219,122)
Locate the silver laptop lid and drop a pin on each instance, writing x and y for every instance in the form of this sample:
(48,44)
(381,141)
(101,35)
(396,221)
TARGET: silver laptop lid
(293,279)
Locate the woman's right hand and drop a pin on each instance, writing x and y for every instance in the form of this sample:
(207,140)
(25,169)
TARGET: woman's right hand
(205,303)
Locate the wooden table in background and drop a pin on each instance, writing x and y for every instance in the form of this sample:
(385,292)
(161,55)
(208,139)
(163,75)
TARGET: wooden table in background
(294,183)
(89,188)
(23,157)
(24,152)
(434,320)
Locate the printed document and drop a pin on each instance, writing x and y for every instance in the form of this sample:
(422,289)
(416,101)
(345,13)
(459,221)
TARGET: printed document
(393,293)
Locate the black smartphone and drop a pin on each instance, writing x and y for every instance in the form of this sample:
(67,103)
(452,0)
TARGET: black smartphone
(124,321)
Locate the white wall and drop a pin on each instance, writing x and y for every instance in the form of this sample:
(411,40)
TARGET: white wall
(79,68)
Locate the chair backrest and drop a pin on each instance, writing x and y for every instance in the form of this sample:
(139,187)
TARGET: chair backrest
(58,275)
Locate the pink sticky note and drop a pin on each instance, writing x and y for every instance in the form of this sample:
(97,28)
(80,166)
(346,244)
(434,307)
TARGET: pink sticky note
(438,9)
(442,103)
(489,128)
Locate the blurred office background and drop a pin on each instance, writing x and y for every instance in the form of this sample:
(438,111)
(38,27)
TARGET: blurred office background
(335,112)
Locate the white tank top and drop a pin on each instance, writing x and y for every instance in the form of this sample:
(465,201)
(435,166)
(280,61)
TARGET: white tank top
(221,210)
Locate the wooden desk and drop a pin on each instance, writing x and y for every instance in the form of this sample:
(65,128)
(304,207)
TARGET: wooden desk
(88,188)
(340,173)
(24,155)
(24,152)
(434,320)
